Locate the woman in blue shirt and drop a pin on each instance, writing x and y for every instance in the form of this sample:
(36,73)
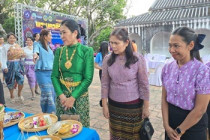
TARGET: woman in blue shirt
(103,51)
(43,56)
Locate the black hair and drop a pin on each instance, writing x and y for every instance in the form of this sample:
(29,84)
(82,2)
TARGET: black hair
(34,36)
(72,25)
(82,31)
(188,35)
(11,33)
(104,49)
(122,34)
(30,38)
(133,41)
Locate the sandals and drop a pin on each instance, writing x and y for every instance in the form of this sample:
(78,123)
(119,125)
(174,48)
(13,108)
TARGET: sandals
(37,92)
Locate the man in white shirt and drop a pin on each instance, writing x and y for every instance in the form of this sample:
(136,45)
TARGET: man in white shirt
(1,46)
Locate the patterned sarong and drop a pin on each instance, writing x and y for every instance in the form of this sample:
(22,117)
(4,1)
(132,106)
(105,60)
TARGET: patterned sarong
(125,119)
(30,74)
(81,105)
(15,74)
(47,99)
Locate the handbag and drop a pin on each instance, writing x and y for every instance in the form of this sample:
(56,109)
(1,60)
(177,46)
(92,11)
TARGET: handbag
(100,103)
(72,116)
(146,130)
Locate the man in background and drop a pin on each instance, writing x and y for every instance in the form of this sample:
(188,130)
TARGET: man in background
(134,46)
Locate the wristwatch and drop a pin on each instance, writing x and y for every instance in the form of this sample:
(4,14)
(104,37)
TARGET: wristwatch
(178,130)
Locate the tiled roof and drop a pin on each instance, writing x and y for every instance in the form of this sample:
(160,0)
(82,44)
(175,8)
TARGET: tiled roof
(172,10)
(164,4)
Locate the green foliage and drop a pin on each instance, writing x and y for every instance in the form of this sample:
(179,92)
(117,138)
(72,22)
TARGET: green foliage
(103,36)
(9,25)
(102,15)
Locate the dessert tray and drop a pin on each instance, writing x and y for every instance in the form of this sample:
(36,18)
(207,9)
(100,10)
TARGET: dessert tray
(65,129)
(12,118)
(44,138)
(37,122)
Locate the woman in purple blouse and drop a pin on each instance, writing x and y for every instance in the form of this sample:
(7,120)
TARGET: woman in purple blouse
(208,109)
(208,64)
(125,85)
(186,88)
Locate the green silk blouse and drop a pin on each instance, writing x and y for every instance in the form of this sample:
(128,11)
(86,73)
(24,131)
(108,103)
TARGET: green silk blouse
(82,69)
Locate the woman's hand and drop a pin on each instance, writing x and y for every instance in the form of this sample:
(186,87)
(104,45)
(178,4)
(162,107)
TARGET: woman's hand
(23,55)
(145,112)
(69,103)
(62,99)
(172,134)
(35,57)
(106,111)
(6,70)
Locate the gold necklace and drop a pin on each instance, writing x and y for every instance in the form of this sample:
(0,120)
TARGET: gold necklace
(68,63)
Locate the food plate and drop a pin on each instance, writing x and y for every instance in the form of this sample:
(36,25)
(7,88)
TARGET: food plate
(37,122)
(12,118)
(65,129)
(44,138)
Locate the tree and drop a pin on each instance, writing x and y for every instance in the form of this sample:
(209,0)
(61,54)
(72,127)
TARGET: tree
(101,14)
(103,36)
(2,31)
(9,25)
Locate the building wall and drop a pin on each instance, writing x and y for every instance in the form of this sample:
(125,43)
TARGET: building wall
(137,38)
(149,32)
(159,44)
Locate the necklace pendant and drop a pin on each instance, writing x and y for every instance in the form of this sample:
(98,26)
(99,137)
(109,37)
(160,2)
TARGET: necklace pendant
(68,64)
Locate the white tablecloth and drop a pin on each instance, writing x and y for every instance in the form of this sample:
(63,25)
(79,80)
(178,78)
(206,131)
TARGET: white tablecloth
(154,64)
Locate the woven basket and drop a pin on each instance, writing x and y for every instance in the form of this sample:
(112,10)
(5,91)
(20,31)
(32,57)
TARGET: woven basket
(67,135)
(2,114)
(52,137)
(43,137)
(14,122)
(21,124)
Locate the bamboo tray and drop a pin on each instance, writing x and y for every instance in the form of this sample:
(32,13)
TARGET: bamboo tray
(21,124)
(15,121)
(67,135)
(2,112)
(43,137)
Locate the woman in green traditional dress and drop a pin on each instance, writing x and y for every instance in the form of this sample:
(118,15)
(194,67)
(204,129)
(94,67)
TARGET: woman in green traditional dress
(72,73)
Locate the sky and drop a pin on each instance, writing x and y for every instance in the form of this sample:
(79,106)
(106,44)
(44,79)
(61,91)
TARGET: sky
(137,7)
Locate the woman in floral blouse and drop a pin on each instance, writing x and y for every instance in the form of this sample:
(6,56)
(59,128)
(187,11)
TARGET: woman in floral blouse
(186,88)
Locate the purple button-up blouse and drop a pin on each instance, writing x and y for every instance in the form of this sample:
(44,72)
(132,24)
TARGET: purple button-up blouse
(122,84)
(208,64)
(184,83)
